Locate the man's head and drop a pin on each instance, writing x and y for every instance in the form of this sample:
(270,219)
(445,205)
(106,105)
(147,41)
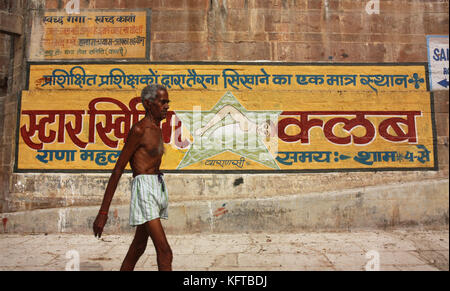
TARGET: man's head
(155,100)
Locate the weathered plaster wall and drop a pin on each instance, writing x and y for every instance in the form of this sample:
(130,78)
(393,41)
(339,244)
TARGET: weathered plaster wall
(12,77)
(249,30)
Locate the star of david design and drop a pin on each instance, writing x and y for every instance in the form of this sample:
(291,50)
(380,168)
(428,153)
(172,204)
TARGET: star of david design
(228,127)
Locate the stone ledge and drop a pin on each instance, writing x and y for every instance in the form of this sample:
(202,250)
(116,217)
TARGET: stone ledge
(378,207)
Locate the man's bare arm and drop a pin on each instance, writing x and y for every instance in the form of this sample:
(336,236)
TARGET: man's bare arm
(129,148)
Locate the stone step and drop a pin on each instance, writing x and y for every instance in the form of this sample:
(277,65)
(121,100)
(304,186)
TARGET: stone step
(379,207)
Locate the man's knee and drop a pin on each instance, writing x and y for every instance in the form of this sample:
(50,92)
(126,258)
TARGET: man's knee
(165,251)
(140,249)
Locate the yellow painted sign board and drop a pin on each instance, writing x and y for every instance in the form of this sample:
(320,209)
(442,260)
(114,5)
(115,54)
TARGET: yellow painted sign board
(233,77)
(92,34)
(232,117)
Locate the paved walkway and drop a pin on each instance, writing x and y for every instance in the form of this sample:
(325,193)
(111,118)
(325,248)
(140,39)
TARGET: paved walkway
(390,250)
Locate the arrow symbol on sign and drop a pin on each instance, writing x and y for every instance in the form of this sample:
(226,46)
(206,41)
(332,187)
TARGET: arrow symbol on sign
(444,83)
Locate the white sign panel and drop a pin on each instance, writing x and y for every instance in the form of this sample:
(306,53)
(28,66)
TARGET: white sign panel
(438,54)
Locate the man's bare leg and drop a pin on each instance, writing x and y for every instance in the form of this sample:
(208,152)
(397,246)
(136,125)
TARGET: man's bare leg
(137,248)
(163,250)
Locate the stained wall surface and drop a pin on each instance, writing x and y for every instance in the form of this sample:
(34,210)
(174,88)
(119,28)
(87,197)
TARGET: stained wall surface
(290,31)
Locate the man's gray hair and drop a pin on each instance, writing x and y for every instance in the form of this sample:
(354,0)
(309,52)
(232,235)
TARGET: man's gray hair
(149,92)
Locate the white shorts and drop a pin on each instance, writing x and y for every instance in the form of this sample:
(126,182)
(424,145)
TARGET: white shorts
(149,199)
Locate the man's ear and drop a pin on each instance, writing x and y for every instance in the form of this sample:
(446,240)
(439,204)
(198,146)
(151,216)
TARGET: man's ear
(147,102)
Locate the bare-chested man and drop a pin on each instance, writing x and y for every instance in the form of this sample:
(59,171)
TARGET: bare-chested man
(149,201)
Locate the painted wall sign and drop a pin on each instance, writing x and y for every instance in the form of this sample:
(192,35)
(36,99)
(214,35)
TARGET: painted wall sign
(229,77)
(91,34)
(438,60)
(231,117)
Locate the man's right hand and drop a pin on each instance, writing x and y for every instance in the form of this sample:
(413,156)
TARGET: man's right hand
(99,224)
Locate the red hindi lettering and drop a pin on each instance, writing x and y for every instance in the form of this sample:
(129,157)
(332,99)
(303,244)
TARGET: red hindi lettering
(120,126)
(360,120)
(167,128)
(182,144)
(410,122)
(397,134)
(27,134)
(74,131)
(304,125)
(41,127)
(134,111)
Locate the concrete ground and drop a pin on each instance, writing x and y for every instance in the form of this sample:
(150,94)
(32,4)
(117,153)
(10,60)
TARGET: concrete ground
(404,249)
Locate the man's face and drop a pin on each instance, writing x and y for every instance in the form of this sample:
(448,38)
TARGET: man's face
(160,106)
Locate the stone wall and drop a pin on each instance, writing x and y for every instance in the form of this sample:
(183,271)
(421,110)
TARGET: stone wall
(242,30)
(12,77)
